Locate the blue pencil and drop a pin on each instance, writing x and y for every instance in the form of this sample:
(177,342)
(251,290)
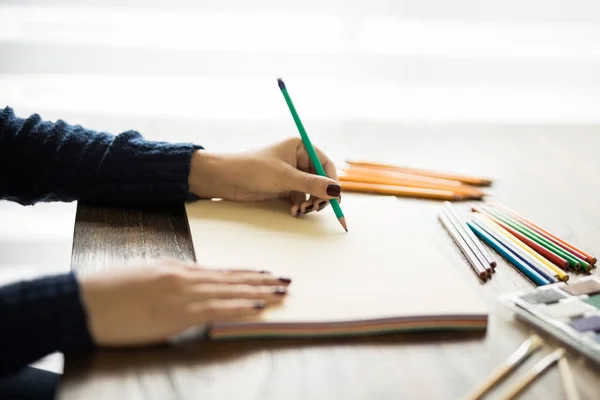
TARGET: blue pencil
(516,261)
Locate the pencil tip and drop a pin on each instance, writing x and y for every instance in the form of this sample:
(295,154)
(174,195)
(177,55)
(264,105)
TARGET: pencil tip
(280,83)
(343,222)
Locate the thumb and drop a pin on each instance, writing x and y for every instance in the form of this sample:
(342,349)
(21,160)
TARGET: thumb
(315,185)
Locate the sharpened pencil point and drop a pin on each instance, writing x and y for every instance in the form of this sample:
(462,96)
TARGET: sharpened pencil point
(280,83)
(343,223)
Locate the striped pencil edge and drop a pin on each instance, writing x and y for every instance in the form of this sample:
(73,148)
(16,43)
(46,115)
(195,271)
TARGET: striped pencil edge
(525,270)
(476,265)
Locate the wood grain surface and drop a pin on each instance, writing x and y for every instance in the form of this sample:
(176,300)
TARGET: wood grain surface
(548,173)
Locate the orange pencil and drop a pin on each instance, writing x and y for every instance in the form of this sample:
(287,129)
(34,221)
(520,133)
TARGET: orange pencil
(556,240)
(401,191)
(401,175)
(470,180)
(471,192)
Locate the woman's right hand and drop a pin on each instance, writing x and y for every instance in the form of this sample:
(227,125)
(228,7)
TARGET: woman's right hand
(147,305)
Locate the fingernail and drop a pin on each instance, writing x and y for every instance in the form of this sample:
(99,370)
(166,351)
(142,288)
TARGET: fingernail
(287,281)
(298,212)
(259,305)
(280,291)
(334,190)
(264,272)
(308,208)
(321,206)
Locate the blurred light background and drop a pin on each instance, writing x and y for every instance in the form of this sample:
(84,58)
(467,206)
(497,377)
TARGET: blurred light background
(199,70)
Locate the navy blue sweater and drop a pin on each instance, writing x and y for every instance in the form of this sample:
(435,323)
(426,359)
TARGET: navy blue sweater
(55,161)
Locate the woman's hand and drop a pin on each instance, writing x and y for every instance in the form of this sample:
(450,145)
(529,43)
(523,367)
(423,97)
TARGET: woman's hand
(140,306)
(283,170)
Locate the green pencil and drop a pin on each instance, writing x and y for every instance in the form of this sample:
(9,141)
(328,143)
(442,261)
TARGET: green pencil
(311,151)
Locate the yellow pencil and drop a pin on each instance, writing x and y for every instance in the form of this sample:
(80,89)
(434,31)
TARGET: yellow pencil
(549,267)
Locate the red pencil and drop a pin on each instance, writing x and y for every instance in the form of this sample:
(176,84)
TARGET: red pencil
(555,258)
(556,240)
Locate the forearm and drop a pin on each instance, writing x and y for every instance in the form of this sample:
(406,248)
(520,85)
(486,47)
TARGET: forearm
(47,161)
(39,317)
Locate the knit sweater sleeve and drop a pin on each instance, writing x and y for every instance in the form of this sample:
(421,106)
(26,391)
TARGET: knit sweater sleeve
(55,161)
(39,317)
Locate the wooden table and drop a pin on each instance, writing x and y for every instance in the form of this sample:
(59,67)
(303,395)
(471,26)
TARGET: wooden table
(548,173)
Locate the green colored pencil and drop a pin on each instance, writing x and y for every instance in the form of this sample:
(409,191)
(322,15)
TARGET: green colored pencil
(574,261)
(311,151)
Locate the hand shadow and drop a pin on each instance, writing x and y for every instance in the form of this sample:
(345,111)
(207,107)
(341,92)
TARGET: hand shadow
(265,216)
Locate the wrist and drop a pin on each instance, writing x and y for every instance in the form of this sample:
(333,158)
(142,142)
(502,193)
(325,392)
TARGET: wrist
(205,180)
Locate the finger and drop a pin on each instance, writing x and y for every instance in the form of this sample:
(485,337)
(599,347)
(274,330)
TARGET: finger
(321,205)
(309,205)
(240,278)
(328,165)
(295,210)
(319,186)
(269,294)
(223,310)
(231,271)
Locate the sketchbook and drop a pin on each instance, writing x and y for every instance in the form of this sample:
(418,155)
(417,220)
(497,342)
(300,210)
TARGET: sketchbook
(385,275)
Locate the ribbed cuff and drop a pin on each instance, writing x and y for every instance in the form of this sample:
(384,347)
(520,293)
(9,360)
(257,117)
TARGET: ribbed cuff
(39,317)
(141,172)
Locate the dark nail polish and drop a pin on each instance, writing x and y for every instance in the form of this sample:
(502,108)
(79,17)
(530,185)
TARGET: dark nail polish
(264,272)
(280,291)
(298,212)
(308,208)
(259,305)
(287,281)
(334,190)
(321,206)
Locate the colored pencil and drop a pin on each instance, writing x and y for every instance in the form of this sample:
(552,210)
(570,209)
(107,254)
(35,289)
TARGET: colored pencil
(458,226)
(351,177)
(474,243)
(567,379)
(525,269)
(404,176)
(580,262)
(540,261)
(573,262)
(314,158)
(555,258)
(470,180)
(567,246)
(525,350)
(496,231)
(477,266)
(401,191)
(536,371)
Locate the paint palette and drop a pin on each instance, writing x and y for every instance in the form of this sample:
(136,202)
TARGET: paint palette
(571,313)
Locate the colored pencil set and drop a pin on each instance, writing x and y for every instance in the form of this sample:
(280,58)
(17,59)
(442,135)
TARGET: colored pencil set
(538,254)
(375,178)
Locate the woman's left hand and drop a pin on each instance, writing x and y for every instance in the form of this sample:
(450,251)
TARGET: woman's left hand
(283,170)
